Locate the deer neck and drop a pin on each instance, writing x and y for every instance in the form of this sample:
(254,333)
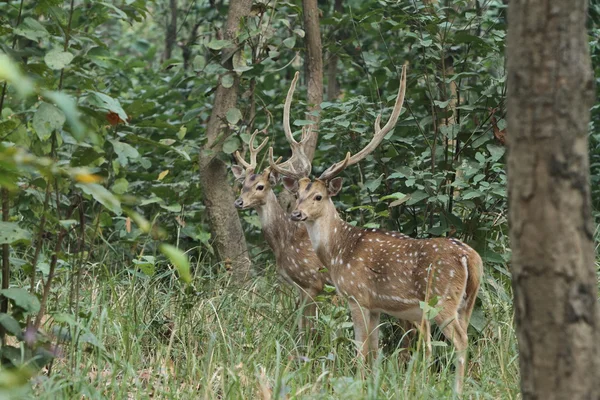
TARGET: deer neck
(326,233)
(275,224)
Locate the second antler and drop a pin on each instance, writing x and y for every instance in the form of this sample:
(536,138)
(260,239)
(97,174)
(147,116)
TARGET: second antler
(380,133)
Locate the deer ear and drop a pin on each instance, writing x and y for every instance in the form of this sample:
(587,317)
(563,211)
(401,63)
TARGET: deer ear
(334,186)
(274,178)
(290,184)
(238,172)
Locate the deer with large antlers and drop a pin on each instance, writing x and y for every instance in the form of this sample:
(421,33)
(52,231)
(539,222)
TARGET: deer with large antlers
(295,258)
(381,271)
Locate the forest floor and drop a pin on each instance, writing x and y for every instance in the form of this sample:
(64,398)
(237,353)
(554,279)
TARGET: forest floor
(145,338)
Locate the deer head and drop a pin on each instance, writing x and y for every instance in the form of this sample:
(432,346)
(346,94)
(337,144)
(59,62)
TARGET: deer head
(255,187)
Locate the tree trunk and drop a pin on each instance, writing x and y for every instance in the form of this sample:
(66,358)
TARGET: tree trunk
(550,92)
(226,227)
(333,87)
(171,36)
(314,78)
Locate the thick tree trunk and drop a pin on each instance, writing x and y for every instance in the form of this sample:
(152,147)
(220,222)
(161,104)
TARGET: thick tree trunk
(171,36)
(314,78)
(228,234)
(550,92)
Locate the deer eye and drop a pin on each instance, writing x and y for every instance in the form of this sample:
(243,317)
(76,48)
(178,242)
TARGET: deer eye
(260,187)
(318,197)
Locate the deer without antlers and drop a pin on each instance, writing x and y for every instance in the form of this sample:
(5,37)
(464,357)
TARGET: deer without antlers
(380,271)
(295,258)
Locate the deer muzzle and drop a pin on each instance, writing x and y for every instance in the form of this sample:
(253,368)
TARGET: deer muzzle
(297,216)
(239,203)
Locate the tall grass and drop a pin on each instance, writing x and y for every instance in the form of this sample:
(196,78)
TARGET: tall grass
(142,338)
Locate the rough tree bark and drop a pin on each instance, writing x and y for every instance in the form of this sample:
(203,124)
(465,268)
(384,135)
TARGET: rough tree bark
(226,227)
(314,78)
(550,92)
(333,86)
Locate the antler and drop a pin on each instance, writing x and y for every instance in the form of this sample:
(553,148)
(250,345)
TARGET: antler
(253,153)
(380,133)
(298,166)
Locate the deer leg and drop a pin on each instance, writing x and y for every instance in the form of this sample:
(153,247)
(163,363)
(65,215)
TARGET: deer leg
(308,309)
(360,320)
(452,329)
(374,333)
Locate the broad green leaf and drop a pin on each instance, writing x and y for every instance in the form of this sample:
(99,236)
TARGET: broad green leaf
(299,32)
(216,44)
(11,233)
(496,151)
(231,145)
(107,103)
(31,29)
(68,223)
(47,119)
(120,186)
(102,196)
(181,132)
(58,59)
(146,265)
(233,115)
(22,298)
(227,81)
(417,196)
(290,42)
(11,325)
(179,261)
(124,151)
(199,63)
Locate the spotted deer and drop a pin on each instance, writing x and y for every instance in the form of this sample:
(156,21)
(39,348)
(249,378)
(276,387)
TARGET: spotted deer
(295,258)
(382,271)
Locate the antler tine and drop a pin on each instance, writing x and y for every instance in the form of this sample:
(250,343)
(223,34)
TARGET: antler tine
(378,135)
(287,168)
(286,110)
(253,152)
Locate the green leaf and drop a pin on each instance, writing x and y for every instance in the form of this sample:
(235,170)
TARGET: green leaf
(68,223)
(124,151)
(11,233)
(22,299)
(179,261)
(417,196)
(102,196)
(290,42)
(31,29)
(11,325)
(227,81)
(231,145)
(374,184)
(216,44)
(441,104)
(199,63)
(233,115)
(146,265)
(120,186)
(106,102)
(46,120)
(181,132)
(58,59)
(496,151)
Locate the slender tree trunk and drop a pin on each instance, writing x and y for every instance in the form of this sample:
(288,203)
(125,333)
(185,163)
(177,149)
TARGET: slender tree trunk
(314,78)
(225,224)
(314,67)
(171,36)
(333,87)
(550,92)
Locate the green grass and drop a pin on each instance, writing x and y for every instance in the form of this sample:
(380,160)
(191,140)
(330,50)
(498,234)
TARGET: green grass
(142,338)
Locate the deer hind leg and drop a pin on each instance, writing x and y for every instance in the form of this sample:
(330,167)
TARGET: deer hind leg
(374,318)
(452,329)
(360,320)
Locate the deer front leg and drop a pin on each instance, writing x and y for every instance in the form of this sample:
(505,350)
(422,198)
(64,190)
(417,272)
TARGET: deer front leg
(360,320)
(309,311)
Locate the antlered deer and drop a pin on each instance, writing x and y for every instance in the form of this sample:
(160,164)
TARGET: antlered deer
(295,258)
(380,271)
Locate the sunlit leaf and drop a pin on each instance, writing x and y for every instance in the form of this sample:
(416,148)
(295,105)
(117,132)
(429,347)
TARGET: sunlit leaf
(179,260)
